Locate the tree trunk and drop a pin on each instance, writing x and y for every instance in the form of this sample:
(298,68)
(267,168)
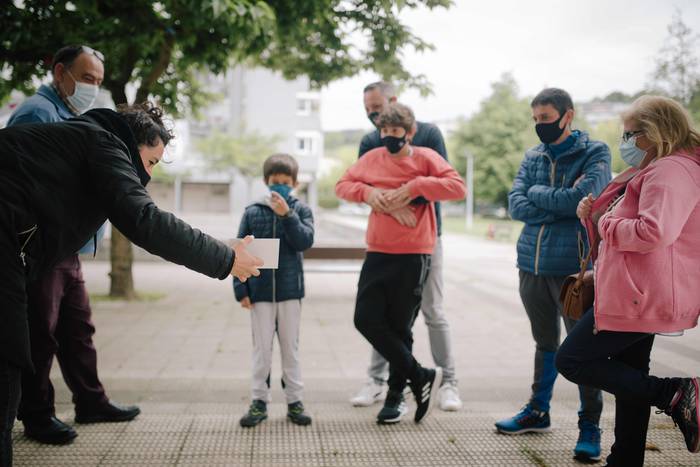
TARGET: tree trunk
(121,253)
(122,257)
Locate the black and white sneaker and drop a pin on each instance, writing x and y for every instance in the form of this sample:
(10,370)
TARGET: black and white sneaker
(425,391)
(394,409)
(685,411)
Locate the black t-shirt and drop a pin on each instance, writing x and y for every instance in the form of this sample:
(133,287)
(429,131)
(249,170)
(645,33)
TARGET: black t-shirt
(427,136)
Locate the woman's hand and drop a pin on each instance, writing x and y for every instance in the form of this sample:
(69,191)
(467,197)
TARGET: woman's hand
(583,211)
(245,264)
(246,303)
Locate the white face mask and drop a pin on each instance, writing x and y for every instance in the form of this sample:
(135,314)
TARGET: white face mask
(84,95)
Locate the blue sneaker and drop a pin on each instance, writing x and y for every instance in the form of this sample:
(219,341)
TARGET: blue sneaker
(588,445)
(528,420)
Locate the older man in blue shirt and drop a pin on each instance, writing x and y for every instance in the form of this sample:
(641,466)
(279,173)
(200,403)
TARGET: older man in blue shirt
(60,318)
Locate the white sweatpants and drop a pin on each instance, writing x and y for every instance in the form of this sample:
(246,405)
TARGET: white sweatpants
(266,318)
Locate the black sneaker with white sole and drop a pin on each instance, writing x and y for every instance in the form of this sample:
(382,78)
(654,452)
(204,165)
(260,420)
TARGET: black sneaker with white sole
(685,411)
(425,390)
(394,409)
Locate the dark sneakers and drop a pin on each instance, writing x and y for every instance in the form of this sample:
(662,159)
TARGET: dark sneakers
(297,415)
(49,431)
(685,411)
(425,390)
(256,414)
(107,413)
(394,409)
(528,420)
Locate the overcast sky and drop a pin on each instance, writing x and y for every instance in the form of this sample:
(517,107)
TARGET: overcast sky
(589,48)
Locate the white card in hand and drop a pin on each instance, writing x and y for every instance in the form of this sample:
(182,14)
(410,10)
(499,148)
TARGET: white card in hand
(267,249)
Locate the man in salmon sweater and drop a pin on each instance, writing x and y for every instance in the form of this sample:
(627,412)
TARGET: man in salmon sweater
(398,256)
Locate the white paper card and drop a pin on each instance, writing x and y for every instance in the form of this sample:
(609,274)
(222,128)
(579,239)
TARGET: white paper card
(267,249)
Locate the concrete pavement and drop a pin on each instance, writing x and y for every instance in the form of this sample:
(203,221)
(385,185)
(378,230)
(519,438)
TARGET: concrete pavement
(185,359)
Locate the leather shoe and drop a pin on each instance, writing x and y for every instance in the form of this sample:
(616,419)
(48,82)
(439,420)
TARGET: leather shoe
(49,431)
(107,413)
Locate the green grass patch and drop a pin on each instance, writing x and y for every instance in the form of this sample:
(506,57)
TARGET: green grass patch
(503,230)
(140,297)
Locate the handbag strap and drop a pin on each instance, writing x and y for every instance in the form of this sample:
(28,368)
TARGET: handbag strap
(584,261)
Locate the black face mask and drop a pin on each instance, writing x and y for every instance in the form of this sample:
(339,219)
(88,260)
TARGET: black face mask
(549,132)
(373,117)
(394,144)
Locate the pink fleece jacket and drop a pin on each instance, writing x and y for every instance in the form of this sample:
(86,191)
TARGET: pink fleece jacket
(647,275)
(425,172)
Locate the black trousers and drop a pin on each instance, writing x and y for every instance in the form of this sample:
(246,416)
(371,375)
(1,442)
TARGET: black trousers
(618,363)
(388,299)
(10,378)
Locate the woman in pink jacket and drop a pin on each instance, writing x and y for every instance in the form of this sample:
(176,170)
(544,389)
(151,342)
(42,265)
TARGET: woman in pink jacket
(645,233)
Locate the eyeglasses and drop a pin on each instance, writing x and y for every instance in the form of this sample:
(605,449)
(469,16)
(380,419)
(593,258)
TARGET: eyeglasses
(627,135)
(89,50)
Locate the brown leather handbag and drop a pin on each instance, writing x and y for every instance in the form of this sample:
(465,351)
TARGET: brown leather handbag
(577,291)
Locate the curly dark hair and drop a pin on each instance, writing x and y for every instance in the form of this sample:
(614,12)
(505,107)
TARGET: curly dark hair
(146,122)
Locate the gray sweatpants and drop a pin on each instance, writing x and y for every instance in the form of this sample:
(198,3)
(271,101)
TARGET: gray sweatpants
(438,328)
(540,296)
(266,319)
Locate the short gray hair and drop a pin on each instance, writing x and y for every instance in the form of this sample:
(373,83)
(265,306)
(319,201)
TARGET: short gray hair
(385,88)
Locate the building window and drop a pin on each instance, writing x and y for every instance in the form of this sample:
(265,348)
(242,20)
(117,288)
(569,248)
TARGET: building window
(307,103)
(305,145)
(303,107)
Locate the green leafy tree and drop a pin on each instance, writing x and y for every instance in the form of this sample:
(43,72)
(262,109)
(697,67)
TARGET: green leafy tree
(609,132)
(243,153)
(497,135)
(677,71)
(159,48)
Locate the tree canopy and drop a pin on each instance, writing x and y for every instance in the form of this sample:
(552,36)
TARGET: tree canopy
(158,47)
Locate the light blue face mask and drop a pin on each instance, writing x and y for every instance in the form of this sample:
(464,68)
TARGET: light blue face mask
(630,153)
(283,190)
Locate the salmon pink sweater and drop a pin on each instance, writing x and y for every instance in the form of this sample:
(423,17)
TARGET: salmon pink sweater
(425,172)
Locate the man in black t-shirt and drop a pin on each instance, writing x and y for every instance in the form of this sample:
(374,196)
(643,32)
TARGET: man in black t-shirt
(376,97)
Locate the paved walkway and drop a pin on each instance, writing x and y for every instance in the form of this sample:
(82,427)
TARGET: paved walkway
(185,359)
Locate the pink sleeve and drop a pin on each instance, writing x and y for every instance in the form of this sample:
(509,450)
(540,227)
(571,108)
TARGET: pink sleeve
(351,186)
(667,198)
(443,182)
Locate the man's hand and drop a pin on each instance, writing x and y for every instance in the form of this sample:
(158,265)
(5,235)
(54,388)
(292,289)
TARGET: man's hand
(245,264)
(278,204)
(404,216)
(376,200)
(398,198)
(245,303)
(583,210)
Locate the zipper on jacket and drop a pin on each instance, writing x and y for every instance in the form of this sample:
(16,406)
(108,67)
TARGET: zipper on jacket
(274,271)
(30,233)
(552,173)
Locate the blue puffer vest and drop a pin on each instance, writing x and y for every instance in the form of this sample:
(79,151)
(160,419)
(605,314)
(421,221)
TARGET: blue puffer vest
(545,194)
(296,234)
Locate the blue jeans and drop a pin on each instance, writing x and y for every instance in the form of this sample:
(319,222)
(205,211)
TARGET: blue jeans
(618,363)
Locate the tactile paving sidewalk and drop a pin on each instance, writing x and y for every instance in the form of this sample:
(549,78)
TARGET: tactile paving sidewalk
(208,434)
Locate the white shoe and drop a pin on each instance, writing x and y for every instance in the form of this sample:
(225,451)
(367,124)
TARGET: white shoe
(449,398)
(370,393)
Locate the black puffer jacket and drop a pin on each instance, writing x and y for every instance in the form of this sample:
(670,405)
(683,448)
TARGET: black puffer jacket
(67,179)
(296,234)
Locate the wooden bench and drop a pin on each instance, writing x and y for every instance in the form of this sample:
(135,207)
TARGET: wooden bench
(334,259)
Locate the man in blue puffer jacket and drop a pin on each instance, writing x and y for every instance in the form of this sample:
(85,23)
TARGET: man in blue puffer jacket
(274,297)
(552,179)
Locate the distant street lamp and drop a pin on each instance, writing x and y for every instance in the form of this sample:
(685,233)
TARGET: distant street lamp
(470,189)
